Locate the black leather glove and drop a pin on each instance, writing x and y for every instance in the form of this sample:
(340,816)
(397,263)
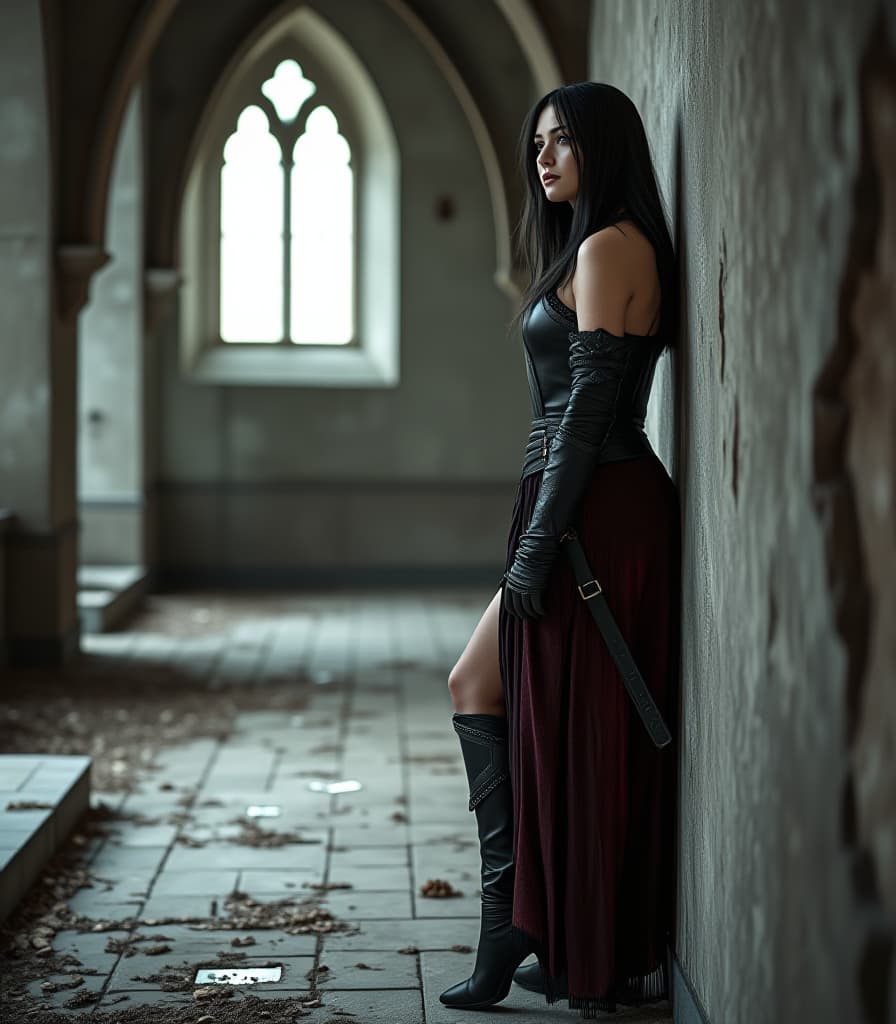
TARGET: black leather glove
(598,361)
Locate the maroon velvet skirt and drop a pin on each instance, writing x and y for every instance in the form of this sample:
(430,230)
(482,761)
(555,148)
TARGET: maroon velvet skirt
(594,799)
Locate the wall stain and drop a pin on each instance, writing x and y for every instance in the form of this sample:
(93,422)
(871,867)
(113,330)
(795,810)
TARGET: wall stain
(723,277)
(837,141)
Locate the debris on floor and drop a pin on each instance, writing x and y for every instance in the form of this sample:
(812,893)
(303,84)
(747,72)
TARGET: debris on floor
(438,888)
(217,704)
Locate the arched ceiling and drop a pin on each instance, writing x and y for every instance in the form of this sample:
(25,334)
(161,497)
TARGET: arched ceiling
(97,54)
(101,49)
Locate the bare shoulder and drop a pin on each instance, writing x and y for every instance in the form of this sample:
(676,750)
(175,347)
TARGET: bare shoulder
(623,241)
(605,240)
(603,281)
(611,256)
(610,280)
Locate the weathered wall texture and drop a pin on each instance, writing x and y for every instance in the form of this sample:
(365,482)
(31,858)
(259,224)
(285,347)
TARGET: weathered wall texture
(776,417)
(285,478)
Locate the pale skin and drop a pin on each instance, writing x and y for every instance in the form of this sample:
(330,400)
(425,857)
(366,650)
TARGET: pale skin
(615,286)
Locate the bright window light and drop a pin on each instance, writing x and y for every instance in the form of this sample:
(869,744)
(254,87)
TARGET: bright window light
(322,234)
(316,305)
(252,232)
(287,89)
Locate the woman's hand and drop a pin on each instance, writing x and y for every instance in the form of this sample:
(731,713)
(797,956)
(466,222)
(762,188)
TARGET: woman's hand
(527,577)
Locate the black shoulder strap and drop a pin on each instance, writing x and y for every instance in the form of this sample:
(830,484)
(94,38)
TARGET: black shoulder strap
(591,594)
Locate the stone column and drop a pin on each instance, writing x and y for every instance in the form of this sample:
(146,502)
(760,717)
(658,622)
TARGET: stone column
(36,362)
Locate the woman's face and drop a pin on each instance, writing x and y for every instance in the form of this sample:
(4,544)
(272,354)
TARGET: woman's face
(554,157)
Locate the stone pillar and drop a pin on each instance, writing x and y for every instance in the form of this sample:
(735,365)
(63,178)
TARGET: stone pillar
(36,362)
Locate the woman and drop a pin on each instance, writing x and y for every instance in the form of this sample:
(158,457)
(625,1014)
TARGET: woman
(575,805)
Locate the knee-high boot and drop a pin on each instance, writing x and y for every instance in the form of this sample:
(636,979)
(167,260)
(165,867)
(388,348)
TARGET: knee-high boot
(483,743)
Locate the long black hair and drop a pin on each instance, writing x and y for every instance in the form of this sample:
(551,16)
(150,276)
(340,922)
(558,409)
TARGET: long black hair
(616,181)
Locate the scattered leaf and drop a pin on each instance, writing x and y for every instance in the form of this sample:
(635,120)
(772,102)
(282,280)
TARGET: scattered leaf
(438,888)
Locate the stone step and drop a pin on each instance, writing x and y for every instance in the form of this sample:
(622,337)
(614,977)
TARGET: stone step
(58,790)
(108,594)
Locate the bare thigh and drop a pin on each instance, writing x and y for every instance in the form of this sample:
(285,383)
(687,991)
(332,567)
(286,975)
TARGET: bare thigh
(475,681)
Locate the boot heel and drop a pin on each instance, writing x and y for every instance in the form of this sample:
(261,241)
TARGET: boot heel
(468,994)
(531,978)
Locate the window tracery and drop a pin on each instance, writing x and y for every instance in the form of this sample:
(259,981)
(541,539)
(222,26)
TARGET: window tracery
(287,220)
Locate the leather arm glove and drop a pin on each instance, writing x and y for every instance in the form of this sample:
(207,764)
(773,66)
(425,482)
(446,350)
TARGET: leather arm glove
(598,361)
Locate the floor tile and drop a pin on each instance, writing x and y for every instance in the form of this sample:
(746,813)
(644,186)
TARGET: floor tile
(395,935)
(347,970)
(184,883)
(356,906)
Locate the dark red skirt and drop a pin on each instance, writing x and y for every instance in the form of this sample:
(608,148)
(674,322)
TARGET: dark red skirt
(594,799)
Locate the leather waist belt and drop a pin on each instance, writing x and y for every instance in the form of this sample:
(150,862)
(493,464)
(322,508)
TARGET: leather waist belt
(591,594)
(626,442)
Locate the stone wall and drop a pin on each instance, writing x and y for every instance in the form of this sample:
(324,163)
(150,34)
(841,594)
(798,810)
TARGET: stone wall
(776,418)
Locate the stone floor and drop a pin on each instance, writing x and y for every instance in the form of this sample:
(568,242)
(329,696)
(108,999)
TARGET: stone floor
(378,713)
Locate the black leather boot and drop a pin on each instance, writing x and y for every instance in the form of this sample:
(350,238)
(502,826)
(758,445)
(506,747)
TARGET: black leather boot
(483,743)
(531,978)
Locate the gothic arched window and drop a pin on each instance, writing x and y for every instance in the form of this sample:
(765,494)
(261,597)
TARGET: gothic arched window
(290,223)
(287,221)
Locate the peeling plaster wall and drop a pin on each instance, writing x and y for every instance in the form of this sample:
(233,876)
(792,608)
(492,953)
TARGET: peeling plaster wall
(787,857)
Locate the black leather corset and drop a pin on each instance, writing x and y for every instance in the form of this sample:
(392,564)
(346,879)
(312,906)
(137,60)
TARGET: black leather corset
(546,330)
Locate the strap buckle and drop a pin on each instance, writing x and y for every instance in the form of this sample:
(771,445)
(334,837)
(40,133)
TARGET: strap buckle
(593,587)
